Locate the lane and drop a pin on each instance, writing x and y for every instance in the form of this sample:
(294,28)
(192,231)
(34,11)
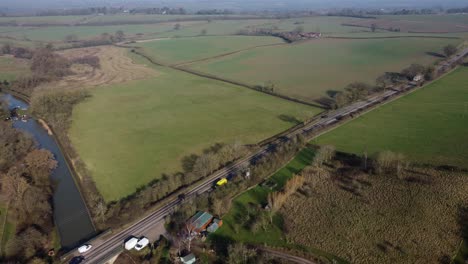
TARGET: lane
(100,253)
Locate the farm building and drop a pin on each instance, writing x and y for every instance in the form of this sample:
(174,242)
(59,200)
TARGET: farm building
(200,221)
(217,223)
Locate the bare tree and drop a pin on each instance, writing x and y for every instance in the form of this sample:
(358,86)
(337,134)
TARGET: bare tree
(323,155)
(373,27)
(177,26)
(40,163)
(449,50)
(390,162)
(240,254)
(119,35)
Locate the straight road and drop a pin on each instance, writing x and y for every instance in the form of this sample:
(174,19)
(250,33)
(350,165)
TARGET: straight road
(113,245)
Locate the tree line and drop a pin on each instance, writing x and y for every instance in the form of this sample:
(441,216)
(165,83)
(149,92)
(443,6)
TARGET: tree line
(26,189)
(195,167)
(357,91)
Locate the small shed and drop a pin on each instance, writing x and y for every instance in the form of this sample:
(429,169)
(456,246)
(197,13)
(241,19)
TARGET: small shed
(189,259)
(200,221)
(217,223)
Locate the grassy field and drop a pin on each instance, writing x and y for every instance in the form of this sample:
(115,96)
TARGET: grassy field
(218,27)
(51,20)
(7,229)
(129,134)
(11,68)
(380,218)
(308,70)
(86,32)
(187,49)
(274,234)
(429,126)
(419,23)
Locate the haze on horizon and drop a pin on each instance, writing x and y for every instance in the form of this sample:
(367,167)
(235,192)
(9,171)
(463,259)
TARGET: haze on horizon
(233,4)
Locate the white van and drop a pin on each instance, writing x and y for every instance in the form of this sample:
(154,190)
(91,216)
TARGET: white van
(131,243)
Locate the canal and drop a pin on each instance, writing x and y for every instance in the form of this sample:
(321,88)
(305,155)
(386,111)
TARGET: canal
(71,216)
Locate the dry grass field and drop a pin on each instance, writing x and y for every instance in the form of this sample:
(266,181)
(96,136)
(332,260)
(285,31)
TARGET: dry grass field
(115,67)
(380,219)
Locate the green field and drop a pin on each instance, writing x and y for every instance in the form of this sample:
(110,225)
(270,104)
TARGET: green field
(307,70)
(429,126)
(129,134)
(188,49)
(86,32)
(7,229)
(418,23)
(50,20)
(11,68)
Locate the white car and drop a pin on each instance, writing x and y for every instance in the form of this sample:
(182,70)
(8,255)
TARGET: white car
(131,243)
(84,248)
(142,243)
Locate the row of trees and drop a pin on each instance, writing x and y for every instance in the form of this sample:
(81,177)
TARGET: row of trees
(26,188)
(218,201)
(277,199)
(384,162)
(358,90)
(195,168)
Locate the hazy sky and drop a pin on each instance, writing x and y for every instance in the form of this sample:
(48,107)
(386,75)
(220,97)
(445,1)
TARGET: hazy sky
(232,4)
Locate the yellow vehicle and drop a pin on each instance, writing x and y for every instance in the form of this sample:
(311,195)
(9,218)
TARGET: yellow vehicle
(221,182)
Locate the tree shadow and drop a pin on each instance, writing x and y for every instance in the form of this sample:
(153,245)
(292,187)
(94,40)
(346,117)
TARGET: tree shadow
(289,119)
(463,221)
(327,102)
(435,54)
(332,93)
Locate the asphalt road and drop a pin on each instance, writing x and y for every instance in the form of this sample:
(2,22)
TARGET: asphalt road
(108,248)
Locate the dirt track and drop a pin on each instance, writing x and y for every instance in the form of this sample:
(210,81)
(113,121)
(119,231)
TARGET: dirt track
(116,67)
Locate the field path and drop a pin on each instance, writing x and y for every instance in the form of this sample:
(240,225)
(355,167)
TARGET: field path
(286,256)
(227,54)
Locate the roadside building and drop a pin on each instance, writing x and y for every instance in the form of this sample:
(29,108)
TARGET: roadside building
(199,222)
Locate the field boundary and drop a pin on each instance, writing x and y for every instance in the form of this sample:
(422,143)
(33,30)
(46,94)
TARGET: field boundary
(227,54)
(393,37)
(394,98)
(137,51)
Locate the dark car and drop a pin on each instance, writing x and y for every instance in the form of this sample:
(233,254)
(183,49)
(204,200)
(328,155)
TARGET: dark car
(76,260)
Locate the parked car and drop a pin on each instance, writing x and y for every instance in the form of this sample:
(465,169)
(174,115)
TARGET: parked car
(142,243)
(84,248)
(76,260)
(131,243)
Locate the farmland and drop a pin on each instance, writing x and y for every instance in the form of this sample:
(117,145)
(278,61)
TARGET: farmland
(160,120)
(429,125)
(380,218)
(308,70)
(11,68)
(187,49)
(419,23)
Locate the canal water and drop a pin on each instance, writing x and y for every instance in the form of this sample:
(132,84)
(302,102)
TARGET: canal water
(70,213)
